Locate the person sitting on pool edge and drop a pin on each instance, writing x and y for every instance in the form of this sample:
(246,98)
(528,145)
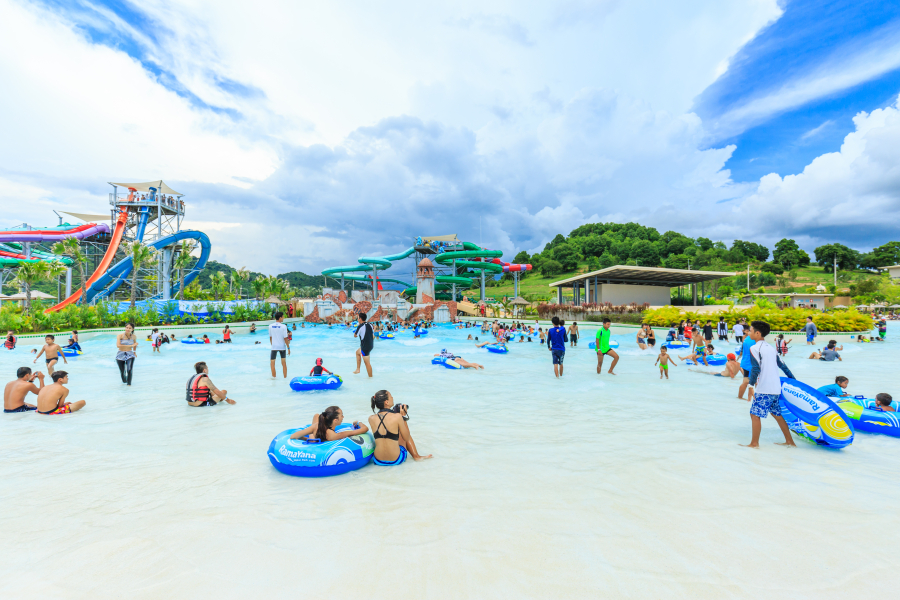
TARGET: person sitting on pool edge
(200,390)
(319,369)
(52,399)
(393,441)
(883,403)
(459,360)
(837,389)
(323,425)
(16,390)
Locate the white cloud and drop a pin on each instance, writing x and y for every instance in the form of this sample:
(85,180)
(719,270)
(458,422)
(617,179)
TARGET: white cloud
(851,195)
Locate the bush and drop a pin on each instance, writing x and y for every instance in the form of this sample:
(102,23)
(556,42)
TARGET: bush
(551,267)
(787,319)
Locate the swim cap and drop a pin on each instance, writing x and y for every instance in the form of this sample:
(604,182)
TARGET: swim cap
(732,357)
(319,362)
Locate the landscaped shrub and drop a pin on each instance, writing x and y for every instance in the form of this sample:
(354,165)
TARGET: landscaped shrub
(787,319)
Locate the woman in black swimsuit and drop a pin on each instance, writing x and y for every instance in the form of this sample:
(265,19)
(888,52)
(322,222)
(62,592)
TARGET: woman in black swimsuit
(393,440)
(323,425)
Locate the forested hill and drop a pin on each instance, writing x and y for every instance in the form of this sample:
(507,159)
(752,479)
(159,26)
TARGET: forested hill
(297,279)
(606,244)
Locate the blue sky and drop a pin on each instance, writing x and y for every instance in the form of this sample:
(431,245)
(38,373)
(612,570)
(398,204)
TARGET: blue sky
(307,135)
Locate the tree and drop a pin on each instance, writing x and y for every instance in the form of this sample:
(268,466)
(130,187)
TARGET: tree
(217,284)
(551,267)
(70,247)
(774,268)
(751,250)
(677,261)
(559,239)
(566,255)
(243,275)
(847,258)
(705,243)
(787,252)
(644,252)
(608,260)
(141,256)
(677,245)
(259,287)
(593,245)
(182,262)
(28,274)
(521,258)
(886,255)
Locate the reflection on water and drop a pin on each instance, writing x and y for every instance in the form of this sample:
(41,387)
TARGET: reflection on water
(589,485)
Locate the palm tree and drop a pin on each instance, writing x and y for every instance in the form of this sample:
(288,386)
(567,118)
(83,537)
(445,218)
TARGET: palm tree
(141,256)
(182,262)
(259,286)
(28,274)
(217,284)
(240,275)
(70,247)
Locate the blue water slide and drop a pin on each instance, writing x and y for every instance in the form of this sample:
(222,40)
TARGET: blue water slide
(143,215)
(116,274)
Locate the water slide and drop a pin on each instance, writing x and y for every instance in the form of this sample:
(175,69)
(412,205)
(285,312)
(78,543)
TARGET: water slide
(369,264)
(143,215)
(470,257)
(12,251)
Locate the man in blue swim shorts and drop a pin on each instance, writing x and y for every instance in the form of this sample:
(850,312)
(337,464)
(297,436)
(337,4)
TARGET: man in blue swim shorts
(764,377)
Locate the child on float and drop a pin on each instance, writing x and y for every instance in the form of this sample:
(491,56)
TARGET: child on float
(324,424)
(883,403)
(319,369)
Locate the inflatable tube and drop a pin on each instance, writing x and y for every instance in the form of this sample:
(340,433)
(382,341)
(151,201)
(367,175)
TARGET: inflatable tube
(813,416)
(861,411)
(191,341)
(497,348)
(316,382)
(386,336)
(420,331)
(304,459)
(68,352)
(446,362)
(677,344)
(713,360)
(613,344)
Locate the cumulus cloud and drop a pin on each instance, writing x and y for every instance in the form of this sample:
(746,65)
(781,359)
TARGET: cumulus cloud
(852,195)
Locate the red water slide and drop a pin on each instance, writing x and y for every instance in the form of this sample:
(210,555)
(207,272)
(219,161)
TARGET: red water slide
(104,262)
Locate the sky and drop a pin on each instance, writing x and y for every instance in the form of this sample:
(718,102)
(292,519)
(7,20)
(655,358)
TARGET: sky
(305,135)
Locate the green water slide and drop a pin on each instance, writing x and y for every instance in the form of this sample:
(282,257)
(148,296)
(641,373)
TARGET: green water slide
(368,264)
(462,258)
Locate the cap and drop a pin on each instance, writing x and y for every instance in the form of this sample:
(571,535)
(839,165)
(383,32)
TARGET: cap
(732,357)
(319,362)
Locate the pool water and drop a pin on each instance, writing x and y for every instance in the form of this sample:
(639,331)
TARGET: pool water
(582,487)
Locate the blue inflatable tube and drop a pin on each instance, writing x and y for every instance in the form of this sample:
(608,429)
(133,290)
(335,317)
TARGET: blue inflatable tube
(497,348)
(713,360)
(192,341)
(814,416)
(301,458)
(446,362)
(420,331)
(865,417)
(612,344)
(677,344)
(316,382)
(386,336)
(70,352)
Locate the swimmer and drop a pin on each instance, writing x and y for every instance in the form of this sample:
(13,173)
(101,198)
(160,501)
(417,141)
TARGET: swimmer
(700,352)
(16,390)
(252,327)
(781,345)
(205,339)
(319,369)
(393,441)
(226,335)
(573,334)
(323,425)
(52,398)
(838,389)
(126,346)
(10,342)
(366,344)
(829,353)
(883,403)
(521,338)
(470,337)
(200,390)
(483,344)
(155,339)
(173,338)
(53,352)
(602,343)
(732,368)
(73,341)
(459,360)
(294,327)
(664,359)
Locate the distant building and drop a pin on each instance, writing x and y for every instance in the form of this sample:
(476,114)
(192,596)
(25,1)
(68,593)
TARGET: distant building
(622,284)
(893,271)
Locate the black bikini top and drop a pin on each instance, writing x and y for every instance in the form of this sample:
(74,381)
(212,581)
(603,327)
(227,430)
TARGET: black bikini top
(387,434)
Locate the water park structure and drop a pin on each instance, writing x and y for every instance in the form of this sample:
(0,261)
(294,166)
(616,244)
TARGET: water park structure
(149,212)
(442,267)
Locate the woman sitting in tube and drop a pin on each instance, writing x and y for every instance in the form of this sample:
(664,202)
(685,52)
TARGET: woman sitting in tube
(393,440)
(323,426)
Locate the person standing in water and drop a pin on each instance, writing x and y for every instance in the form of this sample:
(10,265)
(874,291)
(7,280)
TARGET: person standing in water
(126,346)
(573,334)
(811,331)
(366,336)
(53,352)
(602,342)
(556,343)
(279,343)
(226,335)
(765,379)
(664,360)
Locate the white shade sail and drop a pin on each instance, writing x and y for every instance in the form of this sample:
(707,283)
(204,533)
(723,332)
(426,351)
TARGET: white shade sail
(145,187)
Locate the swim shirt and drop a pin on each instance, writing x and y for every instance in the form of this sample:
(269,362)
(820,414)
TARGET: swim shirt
(738,330)
(832,390)
(768,381)
(557,338)
(830,354)
(811,329)
(366,337)
(746,363)
(278,332)
(602,339)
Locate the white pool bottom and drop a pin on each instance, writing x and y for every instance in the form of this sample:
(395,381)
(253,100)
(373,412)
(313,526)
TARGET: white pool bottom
(587,486)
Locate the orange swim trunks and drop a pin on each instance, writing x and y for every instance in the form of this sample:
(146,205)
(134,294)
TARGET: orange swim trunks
(62,410)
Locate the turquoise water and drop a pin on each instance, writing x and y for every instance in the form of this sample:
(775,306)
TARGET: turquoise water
(588,485)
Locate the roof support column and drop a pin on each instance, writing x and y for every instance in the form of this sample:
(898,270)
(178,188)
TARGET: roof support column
(694,293)
(559,294)
(596,297)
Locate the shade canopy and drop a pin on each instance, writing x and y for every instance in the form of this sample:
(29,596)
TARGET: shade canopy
(862,306)
(87,217)
(274,300)
(624,274)
(34,294)
(520,300)
(441,238)
(894,306)
(160,185)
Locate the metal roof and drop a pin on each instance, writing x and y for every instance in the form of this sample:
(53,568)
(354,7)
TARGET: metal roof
(644,276)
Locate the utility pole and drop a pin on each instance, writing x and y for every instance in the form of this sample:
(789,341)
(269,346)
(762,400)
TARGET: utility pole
(834,268)
(748,277)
